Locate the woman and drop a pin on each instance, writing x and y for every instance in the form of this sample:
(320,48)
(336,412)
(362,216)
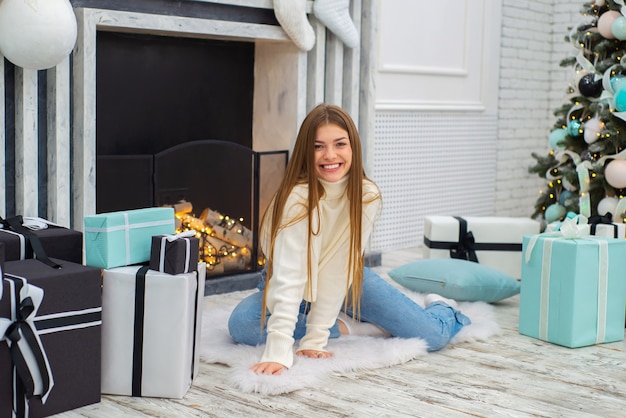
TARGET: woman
(313,235)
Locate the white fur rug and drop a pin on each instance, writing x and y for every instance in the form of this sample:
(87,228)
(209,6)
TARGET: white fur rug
(351,353)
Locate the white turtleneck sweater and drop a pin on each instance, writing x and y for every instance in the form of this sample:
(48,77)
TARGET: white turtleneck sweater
(288,285)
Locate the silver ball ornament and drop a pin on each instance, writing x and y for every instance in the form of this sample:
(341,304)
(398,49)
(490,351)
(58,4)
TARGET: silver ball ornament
(615,173)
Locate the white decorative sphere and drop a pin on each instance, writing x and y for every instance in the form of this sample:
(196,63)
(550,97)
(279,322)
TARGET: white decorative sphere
(605,22)
(615,173)
(37,34)
(592,129)
(607,205)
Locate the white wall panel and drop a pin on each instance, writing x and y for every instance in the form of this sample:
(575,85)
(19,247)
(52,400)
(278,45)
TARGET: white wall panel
(436,136)
(431,164)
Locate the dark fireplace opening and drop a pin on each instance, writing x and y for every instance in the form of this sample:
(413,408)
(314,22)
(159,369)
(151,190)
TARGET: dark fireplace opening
(155,92)
(174,128)
(222,200)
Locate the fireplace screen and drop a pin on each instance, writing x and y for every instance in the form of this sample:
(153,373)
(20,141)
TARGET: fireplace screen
(217,188)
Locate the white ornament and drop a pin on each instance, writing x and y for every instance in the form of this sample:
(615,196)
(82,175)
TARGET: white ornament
(592,129)
(568,186)
(37,34)
(607,205)
(605,21)
(615,173)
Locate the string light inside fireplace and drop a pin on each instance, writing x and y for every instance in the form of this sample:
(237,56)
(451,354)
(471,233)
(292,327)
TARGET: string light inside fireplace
(225,243)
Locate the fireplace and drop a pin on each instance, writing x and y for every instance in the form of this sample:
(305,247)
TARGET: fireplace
(174,128)
(175,99)
(222,199)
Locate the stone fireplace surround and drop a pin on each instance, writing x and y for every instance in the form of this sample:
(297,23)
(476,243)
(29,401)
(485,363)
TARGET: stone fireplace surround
(275,97)
(275,103)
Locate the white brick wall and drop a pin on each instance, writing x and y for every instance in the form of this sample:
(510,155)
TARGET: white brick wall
(532,85)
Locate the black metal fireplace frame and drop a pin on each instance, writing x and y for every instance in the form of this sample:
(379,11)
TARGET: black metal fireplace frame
(155,171)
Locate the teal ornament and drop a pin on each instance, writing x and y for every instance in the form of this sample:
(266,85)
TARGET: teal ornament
(620,99)
(571,215)
(565,194)
(556,136)
(616,81)
(573,127)
(554,212)
(618,28)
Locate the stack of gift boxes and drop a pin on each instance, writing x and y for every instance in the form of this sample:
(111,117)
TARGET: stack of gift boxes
(572,288)
(126,322)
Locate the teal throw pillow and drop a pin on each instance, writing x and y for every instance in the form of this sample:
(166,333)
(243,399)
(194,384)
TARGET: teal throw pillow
(456,279)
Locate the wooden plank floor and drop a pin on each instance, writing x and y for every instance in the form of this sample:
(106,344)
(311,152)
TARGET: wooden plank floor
(508,376)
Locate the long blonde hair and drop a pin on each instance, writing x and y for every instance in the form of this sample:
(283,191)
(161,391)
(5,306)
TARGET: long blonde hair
(301,170)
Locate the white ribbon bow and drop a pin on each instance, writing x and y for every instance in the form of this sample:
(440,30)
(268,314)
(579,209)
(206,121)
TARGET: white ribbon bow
(172,238)
(186,234)
(571,228)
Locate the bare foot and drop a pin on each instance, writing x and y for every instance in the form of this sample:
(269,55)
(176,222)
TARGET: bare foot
(343,328)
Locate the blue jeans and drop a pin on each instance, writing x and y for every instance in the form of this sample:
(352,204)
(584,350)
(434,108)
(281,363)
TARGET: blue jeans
(381,304)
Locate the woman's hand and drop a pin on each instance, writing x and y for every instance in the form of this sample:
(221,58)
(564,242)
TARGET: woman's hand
(268,367)
(314,354)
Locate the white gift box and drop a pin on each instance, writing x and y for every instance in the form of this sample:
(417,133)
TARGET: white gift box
(150,344)
(596,226)
(613,230)
(494,241)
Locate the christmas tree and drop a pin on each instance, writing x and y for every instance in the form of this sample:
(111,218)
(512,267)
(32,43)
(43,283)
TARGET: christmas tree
(585,170)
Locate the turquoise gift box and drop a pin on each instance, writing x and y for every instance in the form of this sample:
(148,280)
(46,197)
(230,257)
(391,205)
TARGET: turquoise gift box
(123,238)
(573,291)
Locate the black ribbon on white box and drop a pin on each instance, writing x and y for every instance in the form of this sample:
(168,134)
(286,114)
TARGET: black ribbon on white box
(32,374)
(466,246)
(606,219)
(138,329)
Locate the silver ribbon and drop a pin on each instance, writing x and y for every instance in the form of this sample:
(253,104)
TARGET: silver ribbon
(127,227)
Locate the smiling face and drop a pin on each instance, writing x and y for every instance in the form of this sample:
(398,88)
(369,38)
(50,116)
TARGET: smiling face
(333,153)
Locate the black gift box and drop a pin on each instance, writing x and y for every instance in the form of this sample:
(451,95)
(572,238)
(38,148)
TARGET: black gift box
(174,257)
(58,242)
(68,323)
(1,260)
